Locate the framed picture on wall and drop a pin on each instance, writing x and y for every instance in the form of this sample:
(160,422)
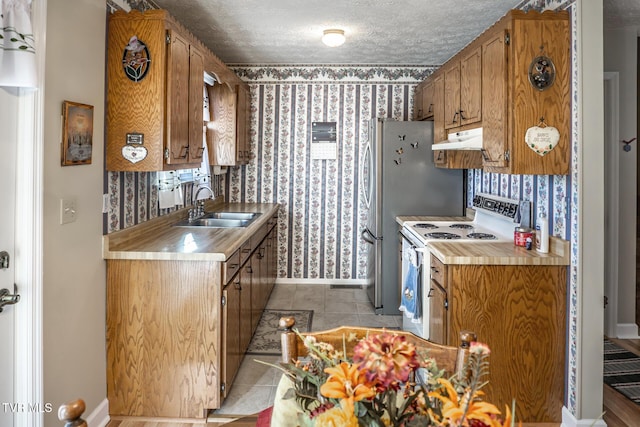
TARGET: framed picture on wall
(77,133)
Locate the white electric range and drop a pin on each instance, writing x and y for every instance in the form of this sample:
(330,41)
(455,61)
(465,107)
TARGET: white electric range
(495,220)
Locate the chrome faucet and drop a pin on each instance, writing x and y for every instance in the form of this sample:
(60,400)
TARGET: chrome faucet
(198,211)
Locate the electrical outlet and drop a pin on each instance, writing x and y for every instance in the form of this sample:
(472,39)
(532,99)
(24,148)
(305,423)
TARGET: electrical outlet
(68,210)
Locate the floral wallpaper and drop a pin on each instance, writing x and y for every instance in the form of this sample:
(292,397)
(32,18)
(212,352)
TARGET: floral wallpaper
(321,215)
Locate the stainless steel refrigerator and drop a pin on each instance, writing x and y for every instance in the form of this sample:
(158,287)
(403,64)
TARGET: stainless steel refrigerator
(399,178)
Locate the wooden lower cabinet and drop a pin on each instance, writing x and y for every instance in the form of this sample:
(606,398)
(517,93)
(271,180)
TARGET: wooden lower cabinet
(520,313)
(177,331)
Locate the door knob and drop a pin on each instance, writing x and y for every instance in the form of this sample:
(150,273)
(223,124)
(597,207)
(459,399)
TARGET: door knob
(6,298)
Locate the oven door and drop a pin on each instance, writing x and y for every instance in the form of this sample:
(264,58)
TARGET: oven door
(419,327)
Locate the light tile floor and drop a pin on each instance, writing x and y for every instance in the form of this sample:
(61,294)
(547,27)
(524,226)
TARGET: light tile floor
(255,384)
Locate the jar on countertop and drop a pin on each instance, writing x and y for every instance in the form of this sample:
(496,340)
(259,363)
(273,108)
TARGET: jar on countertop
(520,235)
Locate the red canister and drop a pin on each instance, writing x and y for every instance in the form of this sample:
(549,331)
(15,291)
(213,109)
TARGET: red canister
(520,236)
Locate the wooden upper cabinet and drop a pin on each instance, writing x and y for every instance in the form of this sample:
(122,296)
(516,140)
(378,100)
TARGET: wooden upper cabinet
(514,105)
(228,133)
(487,85)
(428,105)
(463,88)
(243,124)
(418,112)
(494,101)
(155,80)
(471,87)
(452,96)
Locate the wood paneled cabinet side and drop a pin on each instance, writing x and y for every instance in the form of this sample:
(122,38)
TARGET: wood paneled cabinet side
(152,116)
(520,312)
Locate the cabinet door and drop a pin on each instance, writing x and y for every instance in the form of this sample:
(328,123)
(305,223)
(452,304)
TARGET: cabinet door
(427,100)
(177,121)
(231,333)
(223,126)
(471,87)
(439,131)
(246,330)
(196,104)
(418,112)
(257,284)
(438,309)
(452,97)
(243,118)
(494,101)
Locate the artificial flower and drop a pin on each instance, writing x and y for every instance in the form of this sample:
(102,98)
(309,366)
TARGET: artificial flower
(346,382)
(387,359)
(338,416)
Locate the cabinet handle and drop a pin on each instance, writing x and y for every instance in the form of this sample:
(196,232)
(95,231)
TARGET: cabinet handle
(440,154)
(462,115)
(430,294)
(185,150)
(454,118)
(200,153)
(244,251)
(233,266)
(435,270)
(249,269)
(430,108)
(236,284)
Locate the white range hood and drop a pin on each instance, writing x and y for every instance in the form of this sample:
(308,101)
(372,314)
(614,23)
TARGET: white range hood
(464,140)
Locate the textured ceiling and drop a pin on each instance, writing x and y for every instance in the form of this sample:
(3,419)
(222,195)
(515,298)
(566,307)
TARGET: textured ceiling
(400,32)
(386,32)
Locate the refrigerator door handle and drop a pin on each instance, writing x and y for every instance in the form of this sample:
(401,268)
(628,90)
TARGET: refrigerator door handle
(371,239)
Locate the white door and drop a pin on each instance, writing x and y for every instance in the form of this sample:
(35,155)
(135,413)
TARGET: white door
(8,149)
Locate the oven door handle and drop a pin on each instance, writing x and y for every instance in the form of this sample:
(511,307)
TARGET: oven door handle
(413,245)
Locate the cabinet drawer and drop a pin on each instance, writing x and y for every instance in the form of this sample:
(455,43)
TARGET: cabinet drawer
(230,267)
(437,270)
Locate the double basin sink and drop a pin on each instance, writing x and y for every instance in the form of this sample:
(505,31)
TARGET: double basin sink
(220,220)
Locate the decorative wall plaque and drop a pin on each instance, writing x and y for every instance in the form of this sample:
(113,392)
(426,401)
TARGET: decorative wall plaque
(135,59)
(134,153)
(542,73)
(542,138)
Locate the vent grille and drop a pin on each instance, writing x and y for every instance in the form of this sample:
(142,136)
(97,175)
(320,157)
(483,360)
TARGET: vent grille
(345,286)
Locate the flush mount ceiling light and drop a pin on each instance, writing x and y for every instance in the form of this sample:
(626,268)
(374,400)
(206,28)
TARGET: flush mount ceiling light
(333,37)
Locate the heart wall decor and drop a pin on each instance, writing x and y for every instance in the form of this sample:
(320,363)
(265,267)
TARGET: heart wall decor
(134,154)
(542,139)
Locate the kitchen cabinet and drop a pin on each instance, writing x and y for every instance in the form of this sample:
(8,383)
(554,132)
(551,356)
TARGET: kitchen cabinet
(460,159)
(228,132)
(462,89)
(154,108)
(178,329)
(438,302)
(520,312)
(423,101)
(512,105)
(487,85)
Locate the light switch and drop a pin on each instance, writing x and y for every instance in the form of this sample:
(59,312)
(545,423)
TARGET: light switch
(67,210)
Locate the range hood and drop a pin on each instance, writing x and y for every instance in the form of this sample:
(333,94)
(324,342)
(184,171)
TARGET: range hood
(470,139)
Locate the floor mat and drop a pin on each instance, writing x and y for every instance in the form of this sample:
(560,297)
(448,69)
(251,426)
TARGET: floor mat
(266,340)
(622,370)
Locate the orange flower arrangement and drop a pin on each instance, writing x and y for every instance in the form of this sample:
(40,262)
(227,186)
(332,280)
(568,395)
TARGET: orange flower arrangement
(387,383)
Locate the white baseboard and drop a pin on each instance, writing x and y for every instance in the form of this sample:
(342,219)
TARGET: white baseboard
(100,416)
(343,282)
(627,331)
(568,420)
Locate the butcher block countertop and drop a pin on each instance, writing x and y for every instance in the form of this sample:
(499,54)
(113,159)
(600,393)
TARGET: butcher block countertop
(156,239)
(492,253)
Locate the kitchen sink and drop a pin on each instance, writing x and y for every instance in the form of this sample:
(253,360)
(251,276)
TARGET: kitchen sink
(232,215)
(220,220)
